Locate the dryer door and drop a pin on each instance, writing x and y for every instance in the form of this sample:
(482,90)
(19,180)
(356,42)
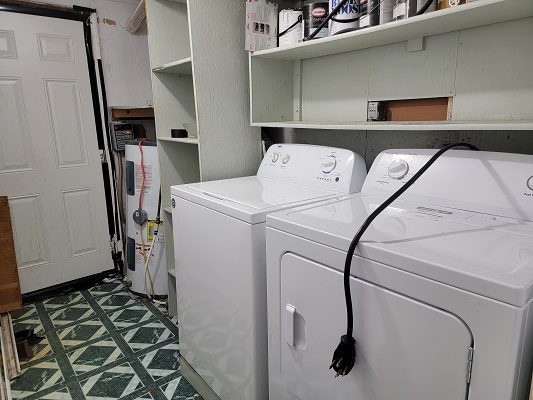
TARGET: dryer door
(406,350)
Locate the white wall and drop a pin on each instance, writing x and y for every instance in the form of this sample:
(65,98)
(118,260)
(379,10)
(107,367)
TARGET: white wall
(124,55)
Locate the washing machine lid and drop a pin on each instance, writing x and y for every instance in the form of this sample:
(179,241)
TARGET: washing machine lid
(251,198)
(481,253)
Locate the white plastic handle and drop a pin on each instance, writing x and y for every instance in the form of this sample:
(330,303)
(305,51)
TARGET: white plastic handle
(290,312)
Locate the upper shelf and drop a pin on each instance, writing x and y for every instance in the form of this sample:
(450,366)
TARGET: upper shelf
(519,125)
(187,140)
(180,67)
(471,15)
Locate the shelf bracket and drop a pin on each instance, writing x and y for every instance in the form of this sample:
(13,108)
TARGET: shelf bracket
(416,44)
(297,99)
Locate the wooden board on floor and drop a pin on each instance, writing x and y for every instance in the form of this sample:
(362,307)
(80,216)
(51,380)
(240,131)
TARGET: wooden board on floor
(10,297)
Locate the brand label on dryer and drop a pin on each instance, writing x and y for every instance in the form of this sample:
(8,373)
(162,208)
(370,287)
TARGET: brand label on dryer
(437,214)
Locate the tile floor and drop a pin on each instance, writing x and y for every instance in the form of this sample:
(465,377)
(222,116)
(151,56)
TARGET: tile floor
(101,344)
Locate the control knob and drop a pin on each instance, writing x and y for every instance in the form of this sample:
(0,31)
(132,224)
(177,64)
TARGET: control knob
(286,158)
(398,169)
(329,165)
(275,157)
(530,183)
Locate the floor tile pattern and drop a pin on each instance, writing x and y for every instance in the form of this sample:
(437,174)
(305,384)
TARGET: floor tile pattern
(101,344)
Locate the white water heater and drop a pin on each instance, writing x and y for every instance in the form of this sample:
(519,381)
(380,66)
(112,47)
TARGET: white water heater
(145,247)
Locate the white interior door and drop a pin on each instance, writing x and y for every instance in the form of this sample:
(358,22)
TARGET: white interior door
(49,159)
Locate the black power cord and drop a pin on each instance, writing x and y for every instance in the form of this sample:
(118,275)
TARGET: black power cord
(425,7)
(298,21)
(344,355)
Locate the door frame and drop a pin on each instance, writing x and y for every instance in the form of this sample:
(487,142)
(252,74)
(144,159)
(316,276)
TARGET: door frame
(88,17)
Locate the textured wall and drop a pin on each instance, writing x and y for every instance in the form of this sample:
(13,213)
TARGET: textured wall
(370,143)
(124,56)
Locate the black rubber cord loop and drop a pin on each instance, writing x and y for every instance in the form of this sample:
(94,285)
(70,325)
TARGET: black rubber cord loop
(344,356)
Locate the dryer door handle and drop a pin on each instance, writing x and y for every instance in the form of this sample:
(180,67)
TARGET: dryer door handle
(290,315)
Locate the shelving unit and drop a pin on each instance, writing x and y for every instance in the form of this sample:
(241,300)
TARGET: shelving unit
(187,140)
(525,125)
(327,83)
(199,83)
(471,15)
(181,67)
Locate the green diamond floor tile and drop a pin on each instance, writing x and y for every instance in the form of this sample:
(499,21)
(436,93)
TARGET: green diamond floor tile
(101,344)
(111,384)
(81,333)
(63,301)
(60,394)
(106,288)
(130,316)
(71,314)
(162,362)
(94,355)
(36,378)
(27,318)
(180,389)
(115,301)
(147,336)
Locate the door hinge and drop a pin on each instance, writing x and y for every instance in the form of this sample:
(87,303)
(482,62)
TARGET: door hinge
(469,364)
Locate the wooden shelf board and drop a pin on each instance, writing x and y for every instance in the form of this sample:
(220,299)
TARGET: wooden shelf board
(180,67)
(471,15)
(187,140)
(167,209)
(520,125)
(131,113)
(172,272)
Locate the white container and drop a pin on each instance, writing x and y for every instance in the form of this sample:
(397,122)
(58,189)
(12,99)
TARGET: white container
(261,29)
(140,237)
(294,35)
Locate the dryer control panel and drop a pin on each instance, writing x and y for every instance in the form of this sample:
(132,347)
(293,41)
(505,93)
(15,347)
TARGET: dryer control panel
(329,168)
(493,183)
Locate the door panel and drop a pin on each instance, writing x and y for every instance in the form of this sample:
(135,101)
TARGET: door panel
(67,127)
(14,148)
(55,48)
(405,349)
(49,159)
(79,211)
(28,231)
(8,48)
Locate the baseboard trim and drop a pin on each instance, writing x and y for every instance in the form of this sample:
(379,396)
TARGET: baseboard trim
(66,287)
(197,382)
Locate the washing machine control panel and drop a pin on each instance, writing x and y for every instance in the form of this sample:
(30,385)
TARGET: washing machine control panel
(492,183)
(324,167)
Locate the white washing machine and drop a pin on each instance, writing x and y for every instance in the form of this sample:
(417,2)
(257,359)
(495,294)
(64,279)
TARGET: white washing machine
(441,284)
(219,242)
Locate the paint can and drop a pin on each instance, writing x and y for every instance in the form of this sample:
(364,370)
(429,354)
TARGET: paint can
(369,13)
(400,10)
(288,19)
(408,8)
(450,3)
(314,13)
(344,17)
(385,11)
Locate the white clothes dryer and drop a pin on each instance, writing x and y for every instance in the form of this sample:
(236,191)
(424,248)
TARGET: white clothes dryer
(441,282)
